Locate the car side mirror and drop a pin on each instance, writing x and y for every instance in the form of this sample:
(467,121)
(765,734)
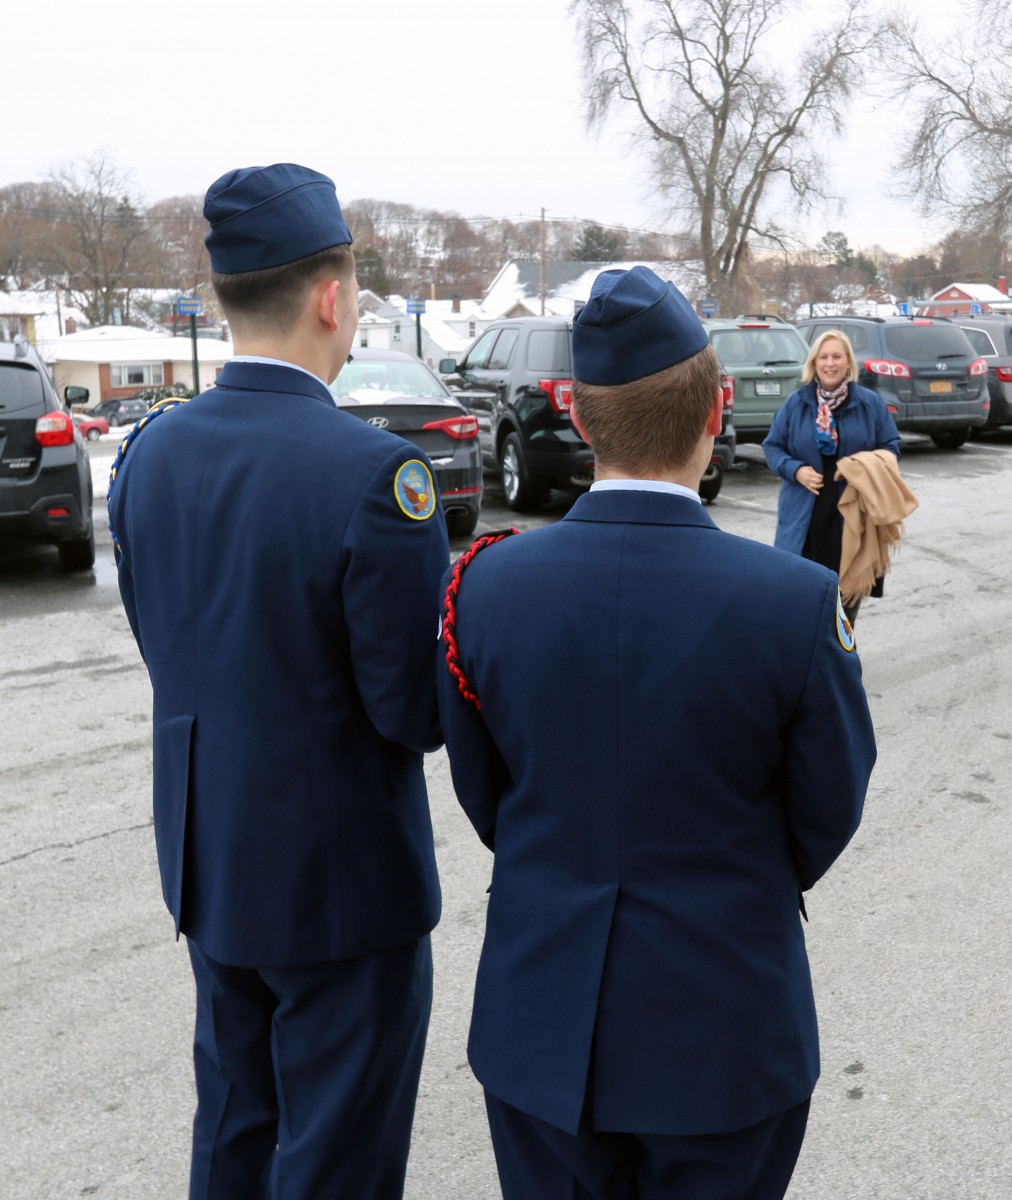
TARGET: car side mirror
(75,395)
(448,366)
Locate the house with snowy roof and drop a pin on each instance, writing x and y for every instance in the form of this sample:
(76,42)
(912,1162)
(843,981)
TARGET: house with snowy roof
(960,299)
(115,361)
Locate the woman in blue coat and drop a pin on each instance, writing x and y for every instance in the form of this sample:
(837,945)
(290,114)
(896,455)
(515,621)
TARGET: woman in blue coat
(829,417)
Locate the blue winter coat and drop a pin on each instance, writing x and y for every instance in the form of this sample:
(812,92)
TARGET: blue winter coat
(864,424)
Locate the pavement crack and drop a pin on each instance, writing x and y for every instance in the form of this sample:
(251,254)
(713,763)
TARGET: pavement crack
(95,837)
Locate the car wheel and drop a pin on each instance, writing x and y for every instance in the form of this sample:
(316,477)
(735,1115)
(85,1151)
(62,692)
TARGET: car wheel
(93,435)
(520,490)
(709,485)
(114,420)
(950,439)
(461,522)
(78,555)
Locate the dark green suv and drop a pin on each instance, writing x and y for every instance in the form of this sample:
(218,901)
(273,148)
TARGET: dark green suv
(45,471)
(761,359)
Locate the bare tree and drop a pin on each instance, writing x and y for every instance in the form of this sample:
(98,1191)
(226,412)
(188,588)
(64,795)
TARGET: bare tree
(723,118)
(102,245)
(957,157)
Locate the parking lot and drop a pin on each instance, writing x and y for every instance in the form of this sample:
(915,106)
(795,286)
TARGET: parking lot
(908,934)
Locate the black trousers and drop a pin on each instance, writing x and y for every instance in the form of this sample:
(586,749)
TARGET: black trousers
(307,1076)
(536,1161)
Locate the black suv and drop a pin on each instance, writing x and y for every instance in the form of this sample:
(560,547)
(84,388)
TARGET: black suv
(517,379)
(924,368)
(120,412)
(45,471)
(991,337)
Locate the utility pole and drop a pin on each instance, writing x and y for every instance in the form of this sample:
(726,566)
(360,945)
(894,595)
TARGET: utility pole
(542,262)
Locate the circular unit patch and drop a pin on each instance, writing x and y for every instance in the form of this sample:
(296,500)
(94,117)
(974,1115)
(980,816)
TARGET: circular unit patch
(415,490)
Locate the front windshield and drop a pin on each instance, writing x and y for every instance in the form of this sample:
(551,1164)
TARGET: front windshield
(376,379)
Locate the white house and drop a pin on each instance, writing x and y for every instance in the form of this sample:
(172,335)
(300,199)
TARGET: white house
(118,360)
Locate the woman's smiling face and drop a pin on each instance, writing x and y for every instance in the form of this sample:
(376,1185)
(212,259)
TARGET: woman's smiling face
(831,364)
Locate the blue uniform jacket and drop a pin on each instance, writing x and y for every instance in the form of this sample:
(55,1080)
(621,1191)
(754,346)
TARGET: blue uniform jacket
(286,608)
(673,740)
(864,424)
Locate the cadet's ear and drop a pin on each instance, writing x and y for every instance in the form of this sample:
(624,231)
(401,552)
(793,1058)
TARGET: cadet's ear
(574,416)
(715,420)
(325,302)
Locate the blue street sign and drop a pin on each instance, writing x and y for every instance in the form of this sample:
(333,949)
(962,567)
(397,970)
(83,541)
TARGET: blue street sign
(903,309)
(708,308)
(975,310)
(416,305)
(189,306)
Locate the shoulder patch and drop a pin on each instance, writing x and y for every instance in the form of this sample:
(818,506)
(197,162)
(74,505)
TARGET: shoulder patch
(844,629)
(414,490)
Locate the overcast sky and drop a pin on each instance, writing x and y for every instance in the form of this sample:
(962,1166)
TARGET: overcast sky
(466,106)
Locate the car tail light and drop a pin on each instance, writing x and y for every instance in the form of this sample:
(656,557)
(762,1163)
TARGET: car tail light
(885,366)
(1004,374)
(559,392)
(54,429)
(460,428)
(978,367)
(727,386)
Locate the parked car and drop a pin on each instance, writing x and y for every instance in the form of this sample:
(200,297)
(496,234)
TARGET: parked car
(761,359)
(991,337)
(517,379)
(91,428)
(120,412)
(924,368)
(397,391)
(45,470)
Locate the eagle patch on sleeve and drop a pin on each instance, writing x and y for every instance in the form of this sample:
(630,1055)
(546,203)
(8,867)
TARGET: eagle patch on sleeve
(844,629)
(415,490)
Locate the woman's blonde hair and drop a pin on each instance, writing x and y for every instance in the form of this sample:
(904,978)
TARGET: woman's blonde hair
(808,371)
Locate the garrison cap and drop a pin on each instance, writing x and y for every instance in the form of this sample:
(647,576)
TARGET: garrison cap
(267,216)
(634,324)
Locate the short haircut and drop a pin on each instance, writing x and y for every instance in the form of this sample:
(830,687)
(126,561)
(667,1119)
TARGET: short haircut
(652,424)
(272,299)
(808,371)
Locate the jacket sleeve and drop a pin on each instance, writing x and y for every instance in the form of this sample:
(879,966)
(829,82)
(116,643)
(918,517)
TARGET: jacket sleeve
(887,436)
(830,749)
(391,603)
(479,772)
(780,457)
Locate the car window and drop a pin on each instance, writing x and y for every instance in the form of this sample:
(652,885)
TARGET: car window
(926,341)
(371,379)
(757,347)
(858,336)
(980,341)
(478,354)
(20,389)
(499,359)
(550,350)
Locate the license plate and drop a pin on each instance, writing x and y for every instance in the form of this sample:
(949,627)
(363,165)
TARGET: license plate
(941,385)
(767,387)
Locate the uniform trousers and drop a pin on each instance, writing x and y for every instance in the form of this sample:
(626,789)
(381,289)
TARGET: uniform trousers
(536,1161)
(307,1076)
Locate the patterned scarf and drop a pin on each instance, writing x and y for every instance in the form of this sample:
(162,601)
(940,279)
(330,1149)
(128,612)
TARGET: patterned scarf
(827,436)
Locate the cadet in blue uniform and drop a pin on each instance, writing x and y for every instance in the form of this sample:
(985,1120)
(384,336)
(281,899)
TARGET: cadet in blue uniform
(284,595)
(663,752)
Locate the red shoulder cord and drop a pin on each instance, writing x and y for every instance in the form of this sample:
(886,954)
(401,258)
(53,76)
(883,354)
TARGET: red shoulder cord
(450,611)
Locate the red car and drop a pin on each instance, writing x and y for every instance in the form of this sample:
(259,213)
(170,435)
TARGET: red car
(91,428)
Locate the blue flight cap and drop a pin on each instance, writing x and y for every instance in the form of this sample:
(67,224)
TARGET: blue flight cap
(267,216)
(634,324)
